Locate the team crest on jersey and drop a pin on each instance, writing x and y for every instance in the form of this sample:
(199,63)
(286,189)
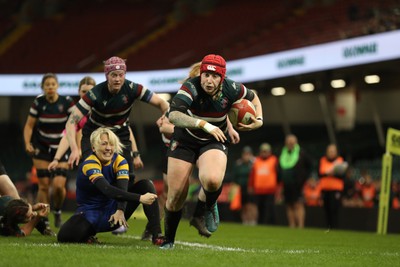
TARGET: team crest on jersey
(125,99)
(174,145)
(224,102)
(61,108)
(105,102)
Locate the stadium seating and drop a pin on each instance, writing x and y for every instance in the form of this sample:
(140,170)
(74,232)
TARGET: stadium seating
(85,33)
(81,37)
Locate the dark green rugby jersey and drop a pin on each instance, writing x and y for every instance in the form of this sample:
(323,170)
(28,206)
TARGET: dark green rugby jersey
(111,110)
(200,105)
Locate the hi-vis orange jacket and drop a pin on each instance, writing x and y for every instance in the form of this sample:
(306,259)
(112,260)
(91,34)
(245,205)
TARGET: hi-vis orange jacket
(263,175)
(329,183)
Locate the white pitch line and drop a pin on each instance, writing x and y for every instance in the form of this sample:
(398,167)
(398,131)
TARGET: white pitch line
(234,249)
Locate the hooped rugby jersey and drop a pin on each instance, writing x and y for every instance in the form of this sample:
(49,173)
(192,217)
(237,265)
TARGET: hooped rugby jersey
(201,105)
(111,110)
(51,119)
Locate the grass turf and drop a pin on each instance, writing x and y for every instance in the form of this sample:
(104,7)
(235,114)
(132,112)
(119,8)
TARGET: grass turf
(232,245)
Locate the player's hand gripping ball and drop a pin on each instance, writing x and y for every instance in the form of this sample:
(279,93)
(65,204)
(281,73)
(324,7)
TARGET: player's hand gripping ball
(241,111)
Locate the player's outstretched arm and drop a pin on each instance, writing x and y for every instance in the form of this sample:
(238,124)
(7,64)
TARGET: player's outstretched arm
(118,194)
(159,103)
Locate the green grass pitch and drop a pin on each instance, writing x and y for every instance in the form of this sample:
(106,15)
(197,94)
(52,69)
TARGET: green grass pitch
(232,245)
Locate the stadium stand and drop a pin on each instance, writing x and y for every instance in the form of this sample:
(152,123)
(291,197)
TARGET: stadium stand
(78,36)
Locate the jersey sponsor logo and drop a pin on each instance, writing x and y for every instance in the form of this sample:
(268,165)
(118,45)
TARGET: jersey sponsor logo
(211,67)
(122,172)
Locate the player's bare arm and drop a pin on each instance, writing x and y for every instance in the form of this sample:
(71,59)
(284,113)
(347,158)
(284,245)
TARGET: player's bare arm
(28,130)
(159,103)
(70,127)
(137,161)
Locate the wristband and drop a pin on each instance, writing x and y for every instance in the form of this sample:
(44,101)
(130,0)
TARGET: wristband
(200,123)
(135,154)
(260,119)
(208,127)
(56,159)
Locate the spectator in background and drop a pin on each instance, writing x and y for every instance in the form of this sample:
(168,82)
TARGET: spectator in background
(350,197)
(395,195)
(263,181)
(294,169)
(42,134)
(332,171)
(368,191)
(312,193)
(241,172)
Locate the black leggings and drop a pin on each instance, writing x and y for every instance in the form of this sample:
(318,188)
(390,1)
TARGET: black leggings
(332,204)
(78,230)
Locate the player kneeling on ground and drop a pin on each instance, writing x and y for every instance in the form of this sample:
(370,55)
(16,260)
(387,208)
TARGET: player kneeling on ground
(104,199)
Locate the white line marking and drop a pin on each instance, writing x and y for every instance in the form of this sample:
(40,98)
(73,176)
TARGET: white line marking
(233,249)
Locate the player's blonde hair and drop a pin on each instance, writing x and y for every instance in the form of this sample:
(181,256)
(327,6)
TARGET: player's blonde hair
(194,71)
(87,80)
(95,139)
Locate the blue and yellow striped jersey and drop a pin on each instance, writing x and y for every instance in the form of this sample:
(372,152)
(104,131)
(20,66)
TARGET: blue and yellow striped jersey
(92,169)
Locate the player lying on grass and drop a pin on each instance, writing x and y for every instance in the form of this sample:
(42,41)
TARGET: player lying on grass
(105,201)
(15,211)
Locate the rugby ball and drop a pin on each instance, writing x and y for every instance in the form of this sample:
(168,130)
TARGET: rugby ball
(340,168)
(241,112)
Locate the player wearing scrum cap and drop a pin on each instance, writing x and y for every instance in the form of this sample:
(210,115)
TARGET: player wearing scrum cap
(199,112)
(109,104)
